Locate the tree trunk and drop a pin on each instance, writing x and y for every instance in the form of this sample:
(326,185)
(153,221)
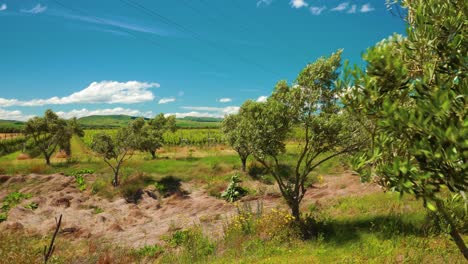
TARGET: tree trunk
(294,205)
(115,181)
(153,154)
(47,158)
(453,230)
(244,162)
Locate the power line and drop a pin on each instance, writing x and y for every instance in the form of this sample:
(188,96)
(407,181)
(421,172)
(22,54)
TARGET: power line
(151,41)
(210,17)
(169,21)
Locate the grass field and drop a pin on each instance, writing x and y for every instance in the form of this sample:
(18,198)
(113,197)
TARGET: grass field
(373,227)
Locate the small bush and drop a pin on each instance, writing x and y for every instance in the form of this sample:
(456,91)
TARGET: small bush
(194,246)
(132,188)
(256,170)
(149,251)
(10,201)
(168,186)
(32,206)
(216,188)
(3,217)
(79,177)
(234,192)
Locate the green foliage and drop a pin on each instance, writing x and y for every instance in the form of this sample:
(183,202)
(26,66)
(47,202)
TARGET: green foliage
(235,130)
(194,246)
(115,150)
(132,188)
(149,135)
(411,99)
(10,201)
(168,185)
(3,217)
(32,206)
(79,177)
(8,146)
(97,210)
(149,251)
(311,106)
(234,192)
(47,132)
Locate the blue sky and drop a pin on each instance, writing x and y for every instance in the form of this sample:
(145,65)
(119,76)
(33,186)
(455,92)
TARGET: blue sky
(190,57)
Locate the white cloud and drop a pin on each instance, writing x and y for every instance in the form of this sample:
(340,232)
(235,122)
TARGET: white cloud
(352,10)
(109,92)
(193,113)
(207,111)
(264,2)
(262,99)
(109,111)
(340,7)
(298,3)
(367,8)
(317,10)
(166,100)
(35,10)
(225,100)
(14,115)
(3,7)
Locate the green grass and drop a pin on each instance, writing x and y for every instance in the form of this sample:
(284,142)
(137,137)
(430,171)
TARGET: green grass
(376,228)
(114,121)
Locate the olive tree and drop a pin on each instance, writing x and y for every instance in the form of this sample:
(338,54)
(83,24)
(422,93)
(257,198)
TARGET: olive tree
(115,150)
(149,134)
(412,95)
(72,128)
(311,105)
(47,133)
(235,132)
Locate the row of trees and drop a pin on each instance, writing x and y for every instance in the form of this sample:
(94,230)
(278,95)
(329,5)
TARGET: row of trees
(403,117)
(51,132)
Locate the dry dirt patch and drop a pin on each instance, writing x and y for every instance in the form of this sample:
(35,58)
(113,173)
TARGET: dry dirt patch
(144,223)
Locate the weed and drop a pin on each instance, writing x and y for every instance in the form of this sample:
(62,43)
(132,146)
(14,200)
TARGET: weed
(149,251)
(234,192)
(32,206)
(168,185)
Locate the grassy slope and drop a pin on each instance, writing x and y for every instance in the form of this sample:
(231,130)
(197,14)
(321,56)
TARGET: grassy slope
(11,124)
(123,120)
(377,228)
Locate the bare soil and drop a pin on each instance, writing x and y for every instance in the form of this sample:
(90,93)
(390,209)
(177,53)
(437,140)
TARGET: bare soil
(148,221)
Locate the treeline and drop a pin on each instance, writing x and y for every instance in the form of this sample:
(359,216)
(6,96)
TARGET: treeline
(12,145)
(11,130)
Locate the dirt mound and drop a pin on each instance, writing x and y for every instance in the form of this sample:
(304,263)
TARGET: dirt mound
(89,216)
(132,225)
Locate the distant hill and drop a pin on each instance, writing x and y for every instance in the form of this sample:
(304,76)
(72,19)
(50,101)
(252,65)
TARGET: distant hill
(105,121)
(10,126)
(114,121)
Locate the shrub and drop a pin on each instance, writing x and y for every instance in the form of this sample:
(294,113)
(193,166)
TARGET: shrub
(194,246)
(234,192)
(32,206)
(168,186)
(132,188)
(10,201)
(80,181)
(149,251)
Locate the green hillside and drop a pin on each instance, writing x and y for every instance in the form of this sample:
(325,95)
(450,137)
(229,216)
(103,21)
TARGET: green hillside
(105,121)
(113,121)
(10,125)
